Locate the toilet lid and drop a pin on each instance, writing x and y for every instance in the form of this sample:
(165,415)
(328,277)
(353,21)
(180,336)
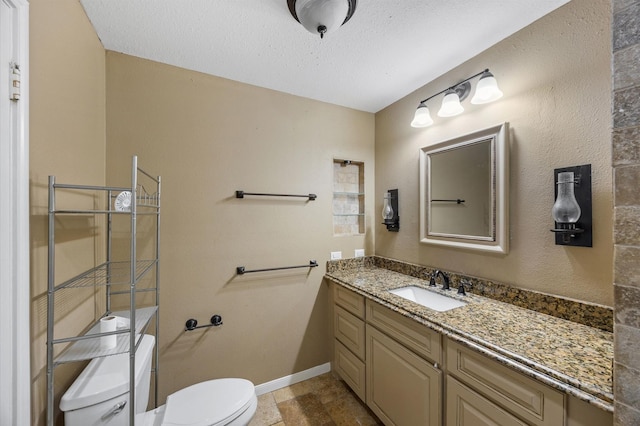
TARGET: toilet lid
(214,402)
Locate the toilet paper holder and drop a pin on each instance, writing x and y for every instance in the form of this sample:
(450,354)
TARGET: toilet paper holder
(192,323)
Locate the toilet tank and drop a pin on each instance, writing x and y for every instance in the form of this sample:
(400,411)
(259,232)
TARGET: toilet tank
(104,385)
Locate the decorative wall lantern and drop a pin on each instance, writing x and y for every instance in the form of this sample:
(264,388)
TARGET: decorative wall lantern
(390,211)
(572,211)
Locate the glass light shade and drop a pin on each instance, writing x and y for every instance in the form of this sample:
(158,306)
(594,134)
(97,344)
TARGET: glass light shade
(422,118)
(387,210)
(450,105)
(566,209)
(486,90)
(313,14)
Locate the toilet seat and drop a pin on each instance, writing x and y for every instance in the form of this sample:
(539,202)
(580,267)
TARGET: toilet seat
(211,403)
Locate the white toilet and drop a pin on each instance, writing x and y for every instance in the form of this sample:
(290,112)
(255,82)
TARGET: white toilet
(100,395)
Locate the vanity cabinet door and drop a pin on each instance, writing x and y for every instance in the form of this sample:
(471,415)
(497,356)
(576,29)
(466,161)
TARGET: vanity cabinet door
(403,389)
(538,404)
(468,408)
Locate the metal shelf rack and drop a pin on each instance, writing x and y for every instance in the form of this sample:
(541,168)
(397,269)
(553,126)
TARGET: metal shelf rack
(115,277)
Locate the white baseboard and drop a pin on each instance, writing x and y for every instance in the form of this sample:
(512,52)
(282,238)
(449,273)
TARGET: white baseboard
(292,379)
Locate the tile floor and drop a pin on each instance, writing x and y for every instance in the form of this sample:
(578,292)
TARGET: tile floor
(320,401)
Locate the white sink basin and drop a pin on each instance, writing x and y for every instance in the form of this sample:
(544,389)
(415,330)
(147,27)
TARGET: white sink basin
(428,299)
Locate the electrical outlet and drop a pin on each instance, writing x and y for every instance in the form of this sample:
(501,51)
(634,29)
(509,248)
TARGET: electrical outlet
(359,253)
(335,255)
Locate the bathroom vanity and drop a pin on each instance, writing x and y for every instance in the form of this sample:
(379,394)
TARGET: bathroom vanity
(485,363)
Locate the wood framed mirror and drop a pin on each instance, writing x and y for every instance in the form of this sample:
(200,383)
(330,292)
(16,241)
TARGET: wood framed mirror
(464,187)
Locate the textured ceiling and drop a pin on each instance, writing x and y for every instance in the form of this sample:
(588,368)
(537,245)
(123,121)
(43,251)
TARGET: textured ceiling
(387,50)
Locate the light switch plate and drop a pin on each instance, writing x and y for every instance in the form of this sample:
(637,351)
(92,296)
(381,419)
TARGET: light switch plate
(359,253)
(335,255)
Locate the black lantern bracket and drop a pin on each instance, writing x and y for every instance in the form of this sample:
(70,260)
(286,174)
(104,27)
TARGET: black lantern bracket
(393,224)
(578,234)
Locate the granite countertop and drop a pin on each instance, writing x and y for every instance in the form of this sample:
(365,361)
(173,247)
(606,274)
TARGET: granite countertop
(572,357)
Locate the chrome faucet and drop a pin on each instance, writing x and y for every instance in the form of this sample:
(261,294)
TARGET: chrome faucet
(434,277)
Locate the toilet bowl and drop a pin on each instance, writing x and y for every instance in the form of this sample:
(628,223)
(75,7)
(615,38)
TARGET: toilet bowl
(219,402)
(100,396)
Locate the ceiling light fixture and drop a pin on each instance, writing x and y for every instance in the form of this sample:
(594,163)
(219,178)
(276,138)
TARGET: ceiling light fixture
(322,16)
(486,91)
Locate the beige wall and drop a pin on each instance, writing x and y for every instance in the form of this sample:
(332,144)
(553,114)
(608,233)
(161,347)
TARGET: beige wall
(208,137)
(67,128)
(191,129)
(556,78)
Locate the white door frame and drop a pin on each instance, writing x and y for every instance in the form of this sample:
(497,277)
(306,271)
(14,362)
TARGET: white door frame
(15,329)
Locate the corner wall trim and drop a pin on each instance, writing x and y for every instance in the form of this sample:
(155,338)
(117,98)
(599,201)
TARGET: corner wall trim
(15,351)
(292,379)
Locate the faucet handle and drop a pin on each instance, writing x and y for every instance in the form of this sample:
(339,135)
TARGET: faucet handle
(432,279)
(464,282)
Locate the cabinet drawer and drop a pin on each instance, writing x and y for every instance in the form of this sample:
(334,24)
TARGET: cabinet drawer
(527,398)
(465,407)
(350,369)
(350,300)
(349,330)
(410,333)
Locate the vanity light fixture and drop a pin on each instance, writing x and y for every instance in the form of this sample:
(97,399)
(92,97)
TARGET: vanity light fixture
(390,211)
(486,91)
(422,117)
(572,208)
(451,105)
(322,16)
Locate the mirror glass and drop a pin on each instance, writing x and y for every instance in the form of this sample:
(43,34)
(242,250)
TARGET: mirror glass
(463,184)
